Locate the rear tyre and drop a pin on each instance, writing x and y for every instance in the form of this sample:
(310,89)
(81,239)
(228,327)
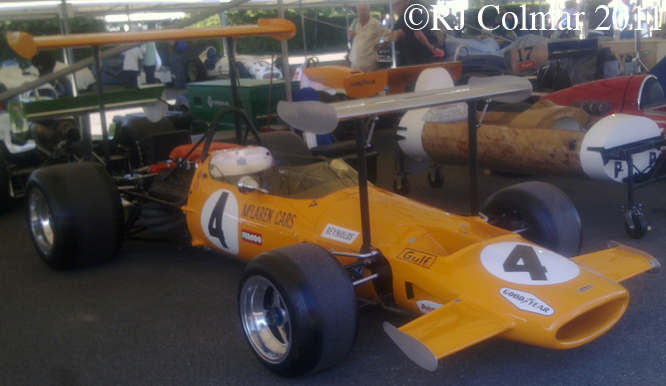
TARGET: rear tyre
(75,215)
(5,180)
(541,213)
(298,310)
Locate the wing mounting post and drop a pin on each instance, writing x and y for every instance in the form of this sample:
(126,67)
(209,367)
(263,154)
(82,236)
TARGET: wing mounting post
(363,186)
(235,83)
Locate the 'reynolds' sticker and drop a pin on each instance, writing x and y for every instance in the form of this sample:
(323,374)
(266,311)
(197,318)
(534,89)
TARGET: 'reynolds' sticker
(341,234)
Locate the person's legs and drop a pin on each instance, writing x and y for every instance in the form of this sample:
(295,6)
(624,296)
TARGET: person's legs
(130,78)
(178,72)
(150,74)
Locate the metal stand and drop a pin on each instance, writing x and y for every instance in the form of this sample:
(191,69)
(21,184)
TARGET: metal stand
(635,224)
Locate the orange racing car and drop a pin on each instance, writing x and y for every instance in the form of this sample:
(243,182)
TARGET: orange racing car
(319,241)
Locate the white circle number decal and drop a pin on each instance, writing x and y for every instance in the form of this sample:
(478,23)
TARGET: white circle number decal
(219,220)
(527,264)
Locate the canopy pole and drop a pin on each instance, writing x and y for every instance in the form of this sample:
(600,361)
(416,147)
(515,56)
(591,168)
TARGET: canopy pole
(233,80)
(305,48)
(394,61)
(67,52)
(472,126)
(286,70)
(102,111)
(225,44)
(347,16)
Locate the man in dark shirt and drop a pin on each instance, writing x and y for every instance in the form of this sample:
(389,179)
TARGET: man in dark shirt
(417,46)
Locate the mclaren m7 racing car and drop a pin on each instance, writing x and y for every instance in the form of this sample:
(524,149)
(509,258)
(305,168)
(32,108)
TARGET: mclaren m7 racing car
(321,242)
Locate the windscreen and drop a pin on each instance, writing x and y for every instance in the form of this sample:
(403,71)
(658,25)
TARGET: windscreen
(310,181)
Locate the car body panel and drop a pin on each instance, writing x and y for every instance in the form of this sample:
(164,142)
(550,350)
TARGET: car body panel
(623,94)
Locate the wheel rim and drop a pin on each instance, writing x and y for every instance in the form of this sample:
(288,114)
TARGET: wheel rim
(41,222)
(265,319)
(516,221)
(192,71)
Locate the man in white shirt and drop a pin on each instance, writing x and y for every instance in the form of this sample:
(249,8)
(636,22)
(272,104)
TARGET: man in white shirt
(365,32)
(131,67)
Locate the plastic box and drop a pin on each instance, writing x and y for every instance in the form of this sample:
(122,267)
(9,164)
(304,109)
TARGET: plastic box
(208,98)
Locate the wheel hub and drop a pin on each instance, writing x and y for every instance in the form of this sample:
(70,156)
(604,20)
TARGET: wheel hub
(274,317)
(265,319)
(41,225)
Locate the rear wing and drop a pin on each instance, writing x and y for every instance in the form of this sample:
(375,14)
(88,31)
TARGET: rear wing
(321,118)
(27,45)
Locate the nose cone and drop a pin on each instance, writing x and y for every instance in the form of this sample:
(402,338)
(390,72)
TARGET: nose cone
(555,302)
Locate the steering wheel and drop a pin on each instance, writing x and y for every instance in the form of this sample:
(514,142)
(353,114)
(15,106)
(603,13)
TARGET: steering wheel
(312,62)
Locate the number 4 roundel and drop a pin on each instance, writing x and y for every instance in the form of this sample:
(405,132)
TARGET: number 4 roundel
(219,220)
(527,264)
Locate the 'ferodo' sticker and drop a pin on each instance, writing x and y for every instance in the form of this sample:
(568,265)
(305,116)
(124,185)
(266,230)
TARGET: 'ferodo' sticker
(219,220)
(527,264)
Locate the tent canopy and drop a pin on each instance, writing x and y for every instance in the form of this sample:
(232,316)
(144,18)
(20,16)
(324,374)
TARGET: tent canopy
(42,9)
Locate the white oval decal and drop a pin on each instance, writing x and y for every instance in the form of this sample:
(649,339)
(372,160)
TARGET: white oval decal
(426,306)
(526,301)
(219,220)
(527,264)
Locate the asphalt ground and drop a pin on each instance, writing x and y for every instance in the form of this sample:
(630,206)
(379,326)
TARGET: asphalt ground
(165,314)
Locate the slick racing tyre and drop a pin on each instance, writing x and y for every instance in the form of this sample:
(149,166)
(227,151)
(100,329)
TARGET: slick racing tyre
(298,309)
(541,213)
(75,214)
(5,181)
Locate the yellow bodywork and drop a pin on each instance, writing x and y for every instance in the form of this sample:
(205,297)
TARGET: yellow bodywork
(443,266)
(358,85)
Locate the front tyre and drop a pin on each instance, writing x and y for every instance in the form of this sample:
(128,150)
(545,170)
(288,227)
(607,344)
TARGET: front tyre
(541,213)
(298,310)
(75,215)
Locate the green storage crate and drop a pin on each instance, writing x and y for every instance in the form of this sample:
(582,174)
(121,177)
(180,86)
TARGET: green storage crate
(208,98)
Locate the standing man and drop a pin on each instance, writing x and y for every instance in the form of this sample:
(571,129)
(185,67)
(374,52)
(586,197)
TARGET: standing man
(418,46)
(365,32)
(149,61)
(176,50)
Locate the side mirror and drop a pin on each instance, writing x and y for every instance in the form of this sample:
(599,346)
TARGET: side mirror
(247,184)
